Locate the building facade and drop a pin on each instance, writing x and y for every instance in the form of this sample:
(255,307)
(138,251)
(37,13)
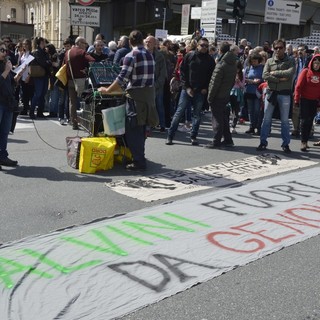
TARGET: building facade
(50,18)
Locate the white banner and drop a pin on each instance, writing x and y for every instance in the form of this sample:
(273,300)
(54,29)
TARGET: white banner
(173,183)
(185,14)
(85,16)
(161,34)
(109,268)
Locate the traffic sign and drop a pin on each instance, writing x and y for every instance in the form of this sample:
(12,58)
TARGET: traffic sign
(86,2)
(281,11)
(209,18)
(81,16)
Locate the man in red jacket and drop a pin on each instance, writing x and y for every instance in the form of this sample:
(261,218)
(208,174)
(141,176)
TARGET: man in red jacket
(77,60)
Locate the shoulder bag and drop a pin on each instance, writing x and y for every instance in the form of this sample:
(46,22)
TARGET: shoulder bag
(36,71)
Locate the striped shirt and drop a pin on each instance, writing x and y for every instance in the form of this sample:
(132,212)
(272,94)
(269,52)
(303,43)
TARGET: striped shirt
(137,69)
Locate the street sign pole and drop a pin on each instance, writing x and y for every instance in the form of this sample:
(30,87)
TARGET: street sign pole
(279,32)
(238,25)
(164,18)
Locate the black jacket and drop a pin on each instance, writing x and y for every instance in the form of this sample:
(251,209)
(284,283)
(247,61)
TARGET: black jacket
(196,70)
(7,87)
(41,58)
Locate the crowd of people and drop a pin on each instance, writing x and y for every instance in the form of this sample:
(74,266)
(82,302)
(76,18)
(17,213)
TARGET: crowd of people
(237,83)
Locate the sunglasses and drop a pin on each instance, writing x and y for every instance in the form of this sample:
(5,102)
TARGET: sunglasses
(204,45)
(3,50)
(278,48)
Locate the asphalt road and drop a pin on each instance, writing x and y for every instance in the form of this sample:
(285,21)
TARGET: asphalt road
(44,194)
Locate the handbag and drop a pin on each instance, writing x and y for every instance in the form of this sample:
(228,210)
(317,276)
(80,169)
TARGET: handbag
(61,75)
(36,71)
(79,86)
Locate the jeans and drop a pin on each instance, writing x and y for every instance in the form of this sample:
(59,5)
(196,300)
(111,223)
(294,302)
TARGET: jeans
(284,107)
(27,94)
(253,111)
(160,109)
(5,126)
(64,104)
(235,108)
(40,90)
(54,99)
(197,103)
(135,138)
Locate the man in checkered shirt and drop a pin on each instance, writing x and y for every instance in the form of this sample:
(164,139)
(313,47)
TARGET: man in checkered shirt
(137,76)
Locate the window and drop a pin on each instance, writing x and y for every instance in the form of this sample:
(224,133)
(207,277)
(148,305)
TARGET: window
(13,13)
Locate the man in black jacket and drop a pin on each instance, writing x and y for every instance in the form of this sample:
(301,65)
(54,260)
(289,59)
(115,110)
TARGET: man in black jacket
(221,83)
(196,69)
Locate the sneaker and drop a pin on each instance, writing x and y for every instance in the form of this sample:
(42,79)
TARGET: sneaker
(250,131)
(169,142)
(261,147)
(8,162)
(194,142)
(304,146)
(233,130)
(62,122)
(286,149)
(227,143)
(242,121)
(40,115)
(136,167)
(183,128)
(75,126)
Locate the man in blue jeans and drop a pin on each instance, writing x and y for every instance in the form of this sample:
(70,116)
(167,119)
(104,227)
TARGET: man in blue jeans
(278,72)
(196,70)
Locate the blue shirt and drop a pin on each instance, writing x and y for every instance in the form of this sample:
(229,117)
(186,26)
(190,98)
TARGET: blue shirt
(137,69)
(255,72)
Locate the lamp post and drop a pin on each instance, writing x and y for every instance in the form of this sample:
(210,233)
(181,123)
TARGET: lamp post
(8,17)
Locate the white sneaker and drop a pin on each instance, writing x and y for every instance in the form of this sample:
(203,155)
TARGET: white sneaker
(233,130)
(183,128)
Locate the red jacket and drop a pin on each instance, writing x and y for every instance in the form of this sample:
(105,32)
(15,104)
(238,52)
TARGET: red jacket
(308,84)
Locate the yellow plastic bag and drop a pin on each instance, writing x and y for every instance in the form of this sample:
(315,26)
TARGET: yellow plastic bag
(96,154)
(122,155)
